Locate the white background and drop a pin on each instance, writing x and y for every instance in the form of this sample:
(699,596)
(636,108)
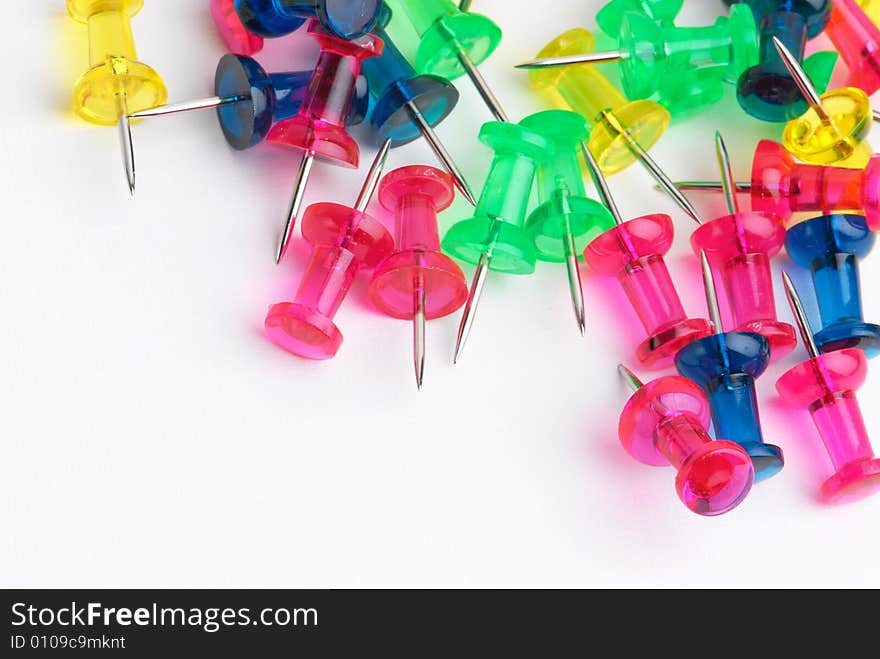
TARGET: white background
(152,437)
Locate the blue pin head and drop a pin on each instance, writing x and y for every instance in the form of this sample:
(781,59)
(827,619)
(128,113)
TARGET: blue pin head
(830,247)
(814,12)
(347,19)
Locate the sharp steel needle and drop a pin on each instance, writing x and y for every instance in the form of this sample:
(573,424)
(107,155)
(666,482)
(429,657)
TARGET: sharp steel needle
(299,190)
(629,378)
(727,182)
(575,285)
(805,85)
(187,106)
(476,291)
(567,60)
(711,293)
(126,143)
(419,330)
(797,308)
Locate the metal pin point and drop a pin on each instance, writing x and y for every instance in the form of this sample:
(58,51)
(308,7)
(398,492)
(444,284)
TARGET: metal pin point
(800,316)
(419,331)
(371,182)
(601,184)
(805,85)
(126,143)
(663,180)
(727,182)
(476,291)
(436,145)
(575,285)
(476,77)
(707,186)
(629,378)
(188,106)
(711,294)
(568,60)
(299,189)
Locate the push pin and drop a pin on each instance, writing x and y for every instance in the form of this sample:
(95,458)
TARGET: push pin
(344,240)
(116,84)
(633,253)
(652,56)
(494,238)
(276,18)
(725,365)
(417,282)
(766,91)
(830,247)
(858,41)
(232,31)
(740,246)
(566,220)
(834,128)
(622,131)
(249,100)
(666,422)
(826,384)
(454,43)
(409,106)
(610,17)
(318,128)
(781,187)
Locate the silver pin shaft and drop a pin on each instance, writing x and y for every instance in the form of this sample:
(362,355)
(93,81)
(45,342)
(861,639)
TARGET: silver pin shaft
(368,189)
(296,201)
(189,106)
(470,307)
(630,378)
(711,294)
(568,60)
(727,183)
(575,285)
(483,88)
(800,316)
(601,184)
(801,79)
(708,186)
(126,143)
(419,331)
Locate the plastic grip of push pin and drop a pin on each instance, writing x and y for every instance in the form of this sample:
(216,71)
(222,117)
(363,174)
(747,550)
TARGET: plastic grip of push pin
(416,194)
(814,12)
(633,253)
(782,187)
(114,71)
(610,16)
(232,31)
(343,241)
(496,227)
(858,41)
(266,99)
(444,30)
(725,366)
(830,247)
(665,422)
(739,247)
(347,19)
(657,53)
(826,386)
(394,84)
(319,124)
(586,91)
(563,205)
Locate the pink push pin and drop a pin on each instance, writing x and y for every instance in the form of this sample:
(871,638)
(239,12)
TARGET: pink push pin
(633,253)
(665,422)
(826,384)
(858,40)
(343,240)
(740,246)
(318,128)
(234,35)
(418,282)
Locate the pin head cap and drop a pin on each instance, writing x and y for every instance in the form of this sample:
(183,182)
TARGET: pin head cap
(80,10)
(437,53)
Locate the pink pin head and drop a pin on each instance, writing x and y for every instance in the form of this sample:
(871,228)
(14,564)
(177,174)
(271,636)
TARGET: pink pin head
(343,241)
(665,423)
(234,35)
(858,40)
(415,195)
(826,386)
(633,252)
(320,124)
(740,247)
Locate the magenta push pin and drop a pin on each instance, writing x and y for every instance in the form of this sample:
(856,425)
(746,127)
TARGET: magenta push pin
(825,384)
(232,31)
(343,240)
(739,247)
(418,282)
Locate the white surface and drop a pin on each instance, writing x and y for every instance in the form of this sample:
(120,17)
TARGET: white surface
(151,436)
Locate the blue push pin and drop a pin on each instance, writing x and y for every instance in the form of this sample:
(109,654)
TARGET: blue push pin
(249,100)
(767,91)
(408,105)
(830,247)
(275,18)
(725,365)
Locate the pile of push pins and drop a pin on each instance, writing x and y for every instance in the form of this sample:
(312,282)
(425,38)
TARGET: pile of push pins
(823,167)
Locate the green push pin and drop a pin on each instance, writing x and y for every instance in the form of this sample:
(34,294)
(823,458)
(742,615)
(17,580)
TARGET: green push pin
(453,43)
(494,239)
(610,17)
(566,220)
(655,58)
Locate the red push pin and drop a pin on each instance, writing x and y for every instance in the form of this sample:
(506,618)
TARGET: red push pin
(740,246)
(418,282)
(318,128)
(234,34)
(825,384)
(343,240)
(782,187)
(665,422)
(858,40)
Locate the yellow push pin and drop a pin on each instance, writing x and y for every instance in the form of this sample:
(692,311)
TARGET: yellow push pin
(834,128)
(116,84)
(621,131)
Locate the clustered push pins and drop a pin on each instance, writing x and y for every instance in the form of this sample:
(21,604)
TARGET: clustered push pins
(822,166)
